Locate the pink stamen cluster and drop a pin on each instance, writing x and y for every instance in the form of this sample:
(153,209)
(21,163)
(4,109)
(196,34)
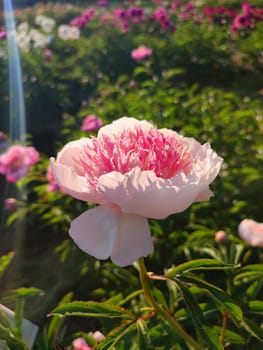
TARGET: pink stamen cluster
(148,150)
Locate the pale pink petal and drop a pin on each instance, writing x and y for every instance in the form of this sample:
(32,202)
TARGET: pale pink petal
(119,125)
(133,241)
(70,182)
(71,152)
(142,193)
(251,232)
(95,231)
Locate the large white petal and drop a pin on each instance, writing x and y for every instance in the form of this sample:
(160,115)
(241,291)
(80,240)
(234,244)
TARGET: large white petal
(95,231)
(71,151)
(73,184)
(117,126)
(134,240)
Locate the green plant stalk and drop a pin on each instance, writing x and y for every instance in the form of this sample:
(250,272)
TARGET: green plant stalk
(19,314)
(174,324)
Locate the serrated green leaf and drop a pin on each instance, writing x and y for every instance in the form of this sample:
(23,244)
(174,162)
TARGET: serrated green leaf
(92,309)
(198,264)
(145,342)
(115,336)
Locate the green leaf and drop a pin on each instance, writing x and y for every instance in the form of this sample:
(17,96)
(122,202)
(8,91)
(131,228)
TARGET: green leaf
(5,260)
(255,307)
(230,336)
(14,342)
(115,336)
(91,309)
(221,299)
(198,264)
(252,328)
(145,342)
(202,327)
(56,321)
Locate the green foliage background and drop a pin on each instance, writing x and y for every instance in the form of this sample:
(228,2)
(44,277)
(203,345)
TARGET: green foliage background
(202,81)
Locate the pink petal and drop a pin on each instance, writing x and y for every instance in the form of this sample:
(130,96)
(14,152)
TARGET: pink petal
(119,125)
(133,241)
(251,232)
(71,183)
(95,231)
(71,151)
(142,193)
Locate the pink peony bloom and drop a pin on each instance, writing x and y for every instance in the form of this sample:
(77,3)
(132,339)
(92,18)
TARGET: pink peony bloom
(91,123)
(134,172)
(80,344)
(141,53)
(16,161)
(10,204)
(251,232)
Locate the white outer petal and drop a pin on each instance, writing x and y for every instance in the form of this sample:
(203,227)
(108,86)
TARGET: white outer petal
(71,183)
(117,126)
(134,240)
(95,231)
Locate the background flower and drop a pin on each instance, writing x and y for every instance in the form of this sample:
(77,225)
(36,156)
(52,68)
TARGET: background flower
(16,161)
(91,123)
(141,53)
(251,232)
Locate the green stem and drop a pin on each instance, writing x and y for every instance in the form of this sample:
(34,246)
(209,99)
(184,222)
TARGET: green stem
(174,324)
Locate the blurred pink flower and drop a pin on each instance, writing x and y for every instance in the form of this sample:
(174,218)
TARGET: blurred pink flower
(134,172)
(3,35)
(91,123)
(221,236)
(16,161)
(141,53)
(3,136)
(80,344)
(10,204)
(97,335)
(251,232)
(48,54)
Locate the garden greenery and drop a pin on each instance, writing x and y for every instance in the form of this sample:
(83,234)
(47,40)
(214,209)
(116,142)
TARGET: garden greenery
(193,67)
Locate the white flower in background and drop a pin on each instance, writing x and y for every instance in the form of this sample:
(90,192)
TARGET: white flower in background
(22,27)
(66,32)
(39,39)
(23,41)
(46,23)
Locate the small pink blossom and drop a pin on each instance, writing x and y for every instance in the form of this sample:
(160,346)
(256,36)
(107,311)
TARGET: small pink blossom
(3,136)
(80,344)
(91,123)
(251,232)
(48,54)
(141,53)
(221,236)
(3,35)
(134,172)
(10,204)
(97,335)
(16,161)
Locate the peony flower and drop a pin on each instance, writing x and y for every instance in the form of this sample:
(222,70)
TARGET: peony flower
(3,35)
(251,232)
(134,172)
(16,161)
(10,204)
(91,123)
(141,53)
(80,344)
(221,236)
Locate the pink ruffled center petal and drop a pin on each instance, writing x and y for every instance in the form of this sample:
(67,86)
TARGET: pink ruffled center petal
(150,149)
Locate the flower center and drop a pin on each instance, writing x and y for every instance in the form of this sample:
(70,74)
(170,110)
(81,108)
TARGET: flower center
(148,150)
